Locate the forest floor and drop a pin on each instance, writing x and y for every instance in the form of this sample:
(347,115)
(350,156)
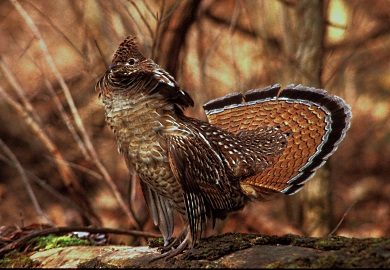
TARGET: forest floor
(226,250)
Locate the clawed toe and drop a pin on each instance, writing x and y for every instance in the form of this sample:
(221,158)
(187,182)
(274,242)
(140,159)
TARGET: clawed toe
(170,251)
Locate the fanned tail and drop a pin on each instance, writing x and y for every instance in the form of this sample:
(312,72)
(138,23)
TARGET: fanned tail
(316,121)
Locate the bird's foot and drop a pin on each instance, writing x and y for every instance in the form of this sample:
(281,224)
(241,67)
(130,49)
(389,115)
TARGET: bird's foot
(169,251)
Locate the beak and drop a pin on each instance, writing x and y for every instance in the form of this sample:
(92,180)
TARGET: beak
(112,65)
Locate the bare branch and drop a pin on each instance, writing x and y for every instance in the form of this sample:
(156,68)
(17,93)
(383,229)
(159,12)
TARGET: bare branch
(25,181)
(67,120)
(74,110)
(66,173)
(19,91)
(142,18)
(342,219)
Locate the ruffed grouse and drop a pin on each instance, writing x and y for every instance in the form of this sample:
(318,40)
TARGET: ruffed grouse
(266,140)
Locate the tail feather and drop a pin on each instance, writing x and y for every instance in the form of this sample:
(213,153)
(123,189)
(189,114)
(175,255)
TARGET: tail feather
(316,121)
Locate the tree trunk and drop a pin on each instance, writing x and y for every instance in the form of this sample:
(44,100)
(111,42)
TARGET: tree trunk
(314,199)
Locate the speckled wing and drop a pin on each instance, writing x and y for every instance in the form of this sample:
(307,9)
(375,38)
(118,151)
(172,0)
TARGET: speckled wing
(199,169)
(316,120)
(162,82)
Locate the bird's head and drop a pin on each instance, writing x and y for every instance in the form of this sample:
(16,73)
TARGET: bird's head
(127,67)
(132,73)
(127,57)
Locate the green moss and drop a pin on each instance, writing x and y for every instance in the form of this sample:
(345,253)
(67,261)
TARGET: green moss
(51,241)
(15,259)
(343,253)
(156,242)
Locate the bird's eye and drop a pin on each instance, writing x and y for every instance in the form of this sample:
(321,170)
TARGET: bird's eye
(130,62)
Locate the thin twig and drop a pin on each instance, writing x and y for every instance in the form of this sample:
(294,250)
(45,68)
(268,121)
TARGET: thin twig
(342,219)
(135,21)
(232,26)
(65,172)
(143,18)
(171,11)
(19,91)
(156,37)
(67,120)
(60,32)
(74,111)
(80,168)
(149,9)
(44,185)
(25,181)
(204,62)
(100,52)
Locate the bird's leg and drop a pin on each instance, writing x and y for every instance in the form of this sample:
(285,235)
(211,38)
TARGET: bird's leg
(173,252)
(170,246)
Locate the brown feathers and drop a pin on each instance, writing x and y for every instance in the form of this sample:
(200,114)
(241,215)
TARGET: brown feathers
(267,140)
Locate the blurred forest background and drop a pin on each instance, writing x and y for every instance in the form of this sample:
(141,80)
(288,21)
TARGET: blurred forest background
(59,162)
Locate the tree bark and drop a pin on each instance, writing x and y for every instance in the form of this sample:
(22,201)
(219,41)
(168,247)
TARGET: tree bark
(315,196)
